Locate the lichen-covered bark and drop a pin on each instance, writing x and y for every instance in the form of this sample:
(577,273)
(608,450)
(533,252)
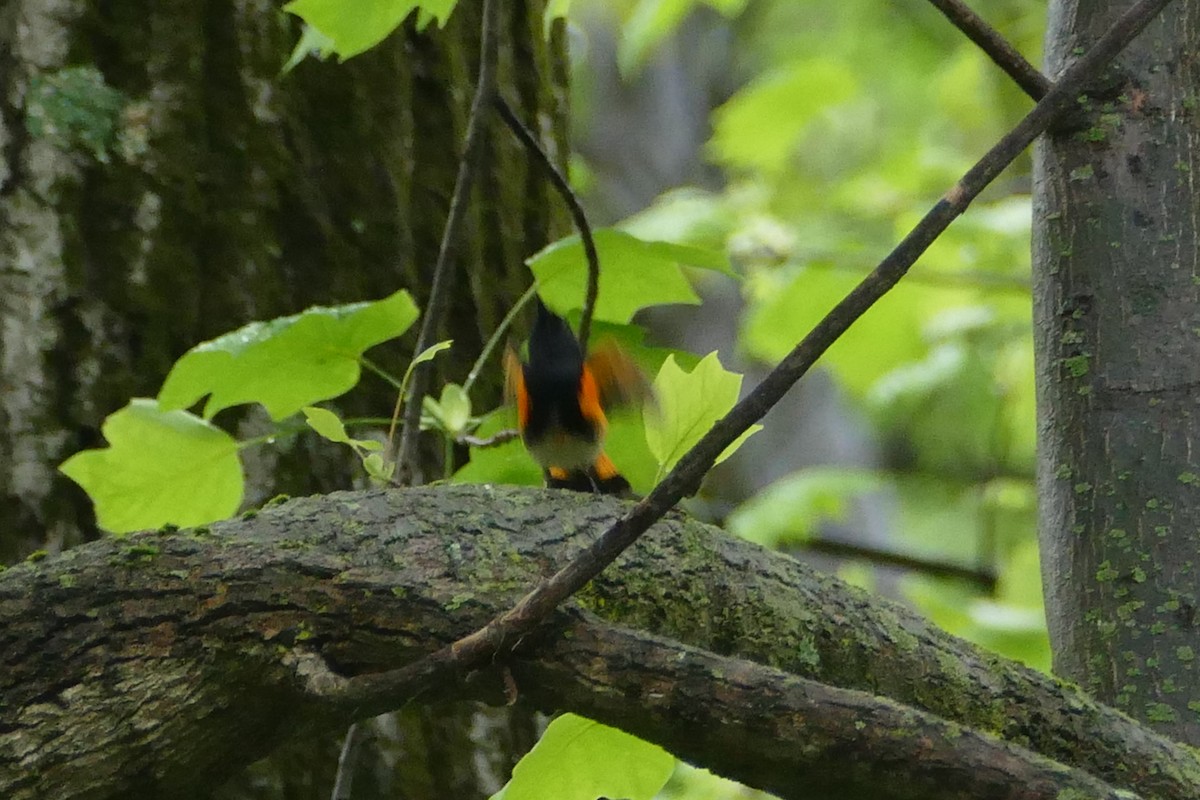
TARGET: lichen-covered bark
(161,183)
(128,659)
(1118,369)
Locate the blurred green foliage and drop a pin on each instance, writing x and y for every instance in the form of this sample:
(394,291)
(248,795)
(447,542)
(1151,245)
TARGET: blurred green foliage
(848,122)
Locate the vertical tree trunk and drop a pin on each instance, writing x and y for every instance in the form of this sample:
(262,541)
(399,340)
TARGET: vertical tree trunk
(161,183)
(1117,297)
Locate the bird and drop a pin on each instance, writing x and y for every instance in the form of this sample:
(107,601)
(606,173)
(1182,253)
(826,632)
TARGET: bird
(562,397)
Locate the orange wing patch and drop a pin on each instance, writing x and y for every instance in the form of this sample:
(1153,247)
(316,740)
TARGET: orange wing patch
(514,386)
(619,381)
(604,468)
(590,404)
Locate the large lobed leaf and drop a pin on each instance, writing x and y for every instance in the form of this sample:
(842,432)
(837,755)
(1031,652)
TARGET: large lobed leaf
(578,759)
(688,405)
(286,363)
(160,467)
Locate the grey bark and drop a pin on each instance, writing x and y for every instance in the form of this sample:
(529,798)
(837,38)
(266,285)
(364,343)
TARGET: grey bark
(1117,313)
(157,663)
(161,184)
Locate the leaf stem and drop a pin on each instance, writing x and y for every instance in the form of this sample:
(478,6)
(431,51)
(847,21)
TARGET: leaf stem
(381,372)
(495,339)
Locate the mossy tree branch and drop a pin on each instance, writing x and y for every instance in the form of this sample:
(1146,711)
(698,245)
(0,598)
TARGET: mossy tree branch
(151,665)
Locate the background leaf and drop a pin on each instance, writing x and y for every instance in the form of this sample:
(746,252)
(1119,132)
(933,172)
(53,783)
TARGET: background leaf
(792,509)
(159,467)
(554,10)
(578,759)
(651,21)
(506,463)
(286,363)
(633,273)
(761,124)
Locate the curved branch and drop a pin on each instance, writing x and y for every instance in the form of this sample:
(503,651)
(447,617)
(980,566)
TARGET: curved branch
(810,739)
(151,664)
(560,183)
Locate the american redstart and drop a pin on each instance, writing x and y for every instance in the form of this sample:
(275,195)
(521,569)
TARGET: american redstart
(561,398)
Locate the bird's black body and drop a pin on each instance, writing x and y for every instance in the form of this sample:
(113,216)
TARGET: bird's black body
(561,396)
(552,379)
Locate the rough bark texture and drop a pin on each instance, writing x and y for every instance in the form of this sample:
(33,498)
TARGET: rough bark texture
(161,183)
(1117,301)
(794,737)
(151,666)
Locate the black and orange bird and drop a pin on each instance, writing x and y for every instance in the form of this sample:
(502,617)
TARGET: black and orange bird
(561,399)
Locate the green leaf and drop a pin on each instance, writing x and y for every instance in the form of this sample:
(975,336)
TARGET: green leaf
(652,21)
(160,467)
(578,759)
(430,352)
(688,405)
(379,470)
(507,463)
(329,425)
(452,411)
(685,216)
(358,26)
(791,509)
(286,363)
(625,444)
(762,124)
(326,423)
(633,273)
(312,42)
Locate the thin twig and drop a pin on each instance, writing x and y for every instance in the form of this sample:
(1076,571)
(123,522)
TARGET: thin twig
(983,578)
(405,455)
(529,139)
(989,40)
(495,440)
(506,629)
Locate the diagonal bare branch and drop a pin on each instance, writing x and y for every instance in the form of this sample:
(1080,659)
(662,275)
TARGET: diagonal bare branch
(484,645)
(989,40)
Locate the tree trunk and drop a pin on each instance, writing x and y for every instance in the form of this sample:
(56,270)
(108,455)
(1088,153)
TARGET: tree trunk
(1117,310)
(161,183)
